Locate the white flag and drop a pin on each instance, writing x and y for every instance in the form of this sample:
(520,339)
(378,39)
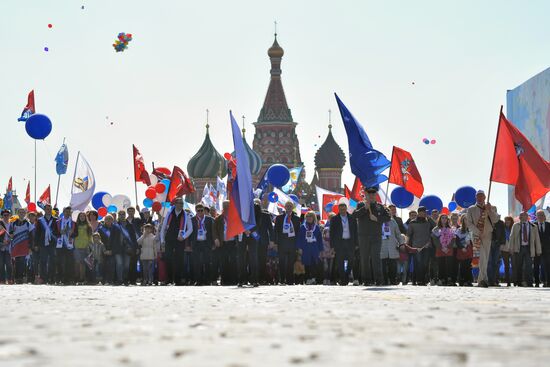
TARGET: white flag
(83,186)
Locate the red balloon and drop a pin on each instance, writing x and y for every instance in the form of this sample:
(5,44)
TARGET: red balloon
(445,211)
(227,156)
(160,188)
(31,207)
(157,206)
(151,193)
(102,211)
(50,25)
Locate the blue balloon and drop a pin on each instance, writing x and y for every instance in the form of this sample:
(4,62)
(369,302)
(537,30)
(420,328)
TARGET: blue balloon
(166,204)
(294,198)
(97,199)
(431,202)
(401,198)
(112,209)
(147,202)
(278,175)
(465,196)
(166,183)
(452,206)
(273,197)
(38,126)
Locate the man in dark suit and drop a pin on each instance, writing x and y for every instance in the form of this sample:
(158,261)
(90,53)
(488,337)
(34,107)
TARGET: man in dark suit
(544,234)
(343,239)
(202,242)
(264,227)
(286,230)
(370,216)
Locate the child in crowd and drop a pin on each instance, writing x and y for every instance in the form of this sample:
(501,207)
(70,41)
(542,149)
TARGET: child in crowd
(97,249)
(299,268)
(464,253)
(148,254)
(272,265)
(327,255)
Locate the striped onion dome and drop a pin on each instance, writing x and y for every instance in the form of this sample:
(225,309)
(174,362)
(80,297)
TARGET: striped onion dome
(254,159)
(207,162)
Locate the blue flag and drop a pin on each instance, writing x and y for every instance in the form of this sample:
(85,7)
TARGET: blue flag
(62,160)
(264,183)
(366,162)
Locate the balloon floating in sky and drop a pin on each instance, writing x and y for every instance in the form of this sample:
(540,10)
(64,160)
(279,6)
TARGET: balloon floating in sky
(50,25)
(46,49)
(122,41)
(82,7)
(38,126)
(428,141)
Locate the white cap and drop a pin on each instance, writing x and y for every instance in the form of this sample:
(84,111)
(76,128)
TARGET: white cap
(479,192)
(145,210)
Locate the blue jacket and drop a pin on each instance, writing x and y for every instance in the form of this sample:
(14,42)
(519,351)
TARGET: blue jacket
(310,250)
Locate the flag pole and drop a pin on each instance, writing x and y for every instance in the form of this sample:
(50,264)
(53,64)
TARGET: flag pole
(134,174)
(58,181)
(388,185)
(35,170)
(74,176)
(494,154)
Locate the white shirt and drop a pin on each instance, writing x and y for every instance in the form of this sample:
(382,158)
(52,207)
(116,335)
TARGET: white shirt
(345,227)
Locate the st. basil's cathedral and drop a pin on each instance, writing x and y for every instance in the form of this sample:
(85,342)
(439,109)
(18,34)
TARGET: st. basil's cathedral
(274,141)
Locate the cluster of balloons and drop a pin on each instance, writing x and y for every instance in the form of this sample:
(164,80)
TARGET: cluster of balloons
(122,41)
(428,141)
(155,195)
(38,126)
(278,176)
(464,197)
(105,203)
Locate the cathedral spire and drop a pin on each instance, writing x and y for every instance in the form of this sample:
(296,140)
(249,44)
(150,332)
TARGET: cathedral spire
(275,108)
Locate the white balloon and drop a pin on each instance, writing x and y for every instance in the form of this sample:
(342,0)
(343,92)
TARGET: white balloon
(154,179)
(122,202)
(106,200)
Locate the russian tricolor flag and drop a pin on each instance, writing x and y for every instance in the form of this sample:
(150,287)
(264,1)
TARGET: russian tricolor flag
(241,196)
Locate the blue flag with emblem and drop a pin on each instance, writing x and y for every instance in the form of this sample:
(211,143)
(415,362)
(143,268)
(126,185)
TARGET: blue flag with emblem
(366,162)
(62,160)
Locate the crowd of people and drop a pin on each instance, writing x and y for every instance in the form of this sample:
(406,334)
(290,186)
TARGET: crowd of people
(369,245)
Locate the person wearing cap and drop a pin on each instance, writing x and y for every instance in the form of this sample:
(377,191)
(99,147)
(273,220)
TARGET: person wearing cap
(286,230)
(419,238)
(343,239)
(46,241)
(370,216)
(145,215)
(524,245)
(5,258)
(481,220)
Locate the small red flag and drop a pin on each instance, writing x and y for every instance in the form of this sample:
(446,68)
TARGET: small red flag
(516,162)
(180,184)
(28,193)
(140,173)
(404,173)
(10,187)
(45,198)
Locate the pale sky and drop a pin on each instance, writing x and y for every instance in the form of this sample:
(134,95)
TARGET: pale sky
(189,56)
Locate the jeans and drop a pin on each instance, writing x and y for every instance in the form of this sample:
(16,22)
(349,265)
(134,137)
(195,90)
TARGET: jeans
(371,265)
(421,260)
(493,268)
(5,266)
(47,263)
(122,264)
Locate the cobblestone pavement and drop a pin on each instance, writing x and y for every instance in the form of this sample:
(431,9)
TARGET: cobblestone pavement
(274,326)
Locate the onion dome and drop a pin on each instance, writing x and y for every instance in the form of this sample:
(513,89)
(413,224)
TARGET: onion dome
(275,51)
(330,155)
(207,162)
(254,159)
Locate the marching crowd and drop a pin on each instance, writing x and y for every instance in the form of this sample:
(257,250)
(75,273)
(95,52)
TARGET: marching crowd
(370,245)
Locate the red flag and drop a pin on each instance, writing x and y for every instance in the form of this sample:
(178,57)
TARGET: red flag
(162,173)
(30,102)
(347,192)
(180,184)
(516,162)
(45,198)
(403,172)
(10,187)
(28,193)
(140,173)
